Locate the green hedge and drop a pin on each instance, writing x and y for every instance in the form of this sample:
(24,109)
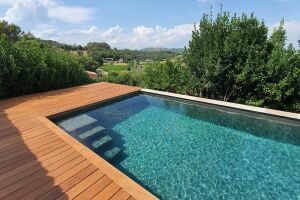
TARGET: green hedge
(27,66)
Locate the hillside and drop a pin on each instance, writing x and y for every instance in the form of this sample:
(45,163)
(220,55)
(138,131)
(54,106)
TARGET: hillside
(163,49)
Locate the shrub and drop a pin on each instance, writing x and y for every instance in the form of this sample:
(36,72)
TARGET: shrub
(28,67)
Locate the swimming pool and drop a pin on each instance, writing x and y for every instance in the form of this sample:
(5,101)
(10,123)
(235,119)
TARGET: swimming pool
(185,150)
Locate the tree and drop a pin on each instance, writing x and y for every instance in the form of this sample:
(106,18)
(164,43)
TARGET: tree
(234,60)
(225,53)
(172,76)
(281,86)
(97,56)
(88,63)
(28,36)
(12,31)
(8,68)
(98,46)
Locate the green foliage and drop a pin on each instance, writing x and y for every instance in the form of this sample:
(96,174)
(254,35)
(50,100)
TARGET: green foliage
(28,67)
(136,55)
(129,55)
(281,81)
(97,46)
(172,76)
(101,50)
(234,60)
(11,31)
(225,52)
(95,50)
(229,58)
(133,78)
(88,63)
(134,66)
(114,67)
(98,58)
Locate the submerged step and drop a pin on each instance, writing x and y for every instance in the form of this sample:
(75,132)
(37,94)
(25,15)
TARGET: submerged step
(91,132)
(99,143)
(110,154)
(76,122)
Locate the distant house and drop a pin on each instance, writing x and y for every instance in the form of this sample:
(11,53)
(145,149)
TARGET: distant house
(121,60)
(109,59)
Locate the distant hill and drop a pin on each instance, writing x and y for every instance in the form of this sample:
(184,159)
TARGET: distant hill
(102,50)
(160,49)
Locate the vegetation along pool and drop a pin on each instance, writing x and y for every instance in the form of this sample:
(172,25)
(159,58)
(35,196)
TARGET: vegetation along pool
(180,150)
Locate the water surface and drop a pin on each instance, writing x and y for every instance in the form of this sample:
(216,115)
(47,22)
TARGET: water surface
(183,151)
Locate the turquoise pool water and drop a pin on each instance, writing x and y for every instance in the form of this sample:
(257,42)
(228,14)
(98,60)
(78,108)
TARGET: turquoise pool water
(183,151)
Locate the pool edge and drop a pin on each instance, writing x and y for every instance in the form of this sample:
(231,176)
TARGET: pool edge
(266,111)
(133,188)
(116,175)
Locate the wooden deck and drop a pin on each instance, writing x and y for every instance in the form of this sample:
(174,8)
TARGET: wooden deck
(40,161)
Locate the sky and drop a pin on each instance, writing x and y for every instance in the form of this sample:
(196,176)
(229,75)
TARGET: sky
(136,24)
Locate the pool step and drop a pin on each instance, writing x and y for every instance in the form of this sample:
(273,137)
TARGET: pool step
(91,132)
(112,153)
(101,142)
(77,122)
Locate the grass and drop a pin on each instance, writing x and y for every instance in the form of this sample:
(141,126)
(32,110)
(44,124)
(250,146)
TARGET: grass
(114,67)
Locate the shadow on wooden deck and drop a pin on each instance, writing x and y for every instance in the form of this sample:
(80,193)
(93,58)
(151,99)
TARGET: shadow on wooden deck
(29,155)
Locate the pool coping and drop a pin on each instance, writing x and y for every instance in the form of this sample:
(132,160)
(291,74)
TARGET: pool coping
(265,111)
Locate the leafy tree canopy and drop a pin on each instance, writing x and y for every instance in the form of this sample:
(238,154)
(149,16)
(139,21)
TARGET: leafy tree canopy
(12,31)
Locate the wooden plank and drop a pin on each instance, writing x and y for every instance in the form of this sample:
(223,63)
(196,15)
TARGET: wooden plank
(37,168)
(29,159)
(41,163)
(34,181)
(38,162)
(34,144)
(50,146)
(57,180)
(25,135)
(94,189)
(71,182)
(121,195)
(25,157)
(107,192)
(10,154)
(83,185)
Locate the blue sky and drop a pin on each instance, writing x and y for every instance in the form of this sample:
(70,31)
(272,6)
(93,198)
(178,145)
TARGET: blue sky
(136,24)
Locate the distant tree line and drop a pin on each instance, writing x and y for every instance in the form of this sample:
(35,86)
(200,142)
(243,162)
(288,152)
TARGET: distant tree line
(94,54)
(229,58)
(99,51)
(28,65)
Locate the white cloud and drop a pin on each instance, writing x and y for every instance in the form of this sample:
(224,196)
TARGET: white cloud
(71,14)
(139,37)
(292,28)
(26,10)
(43,11)
(9,2)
